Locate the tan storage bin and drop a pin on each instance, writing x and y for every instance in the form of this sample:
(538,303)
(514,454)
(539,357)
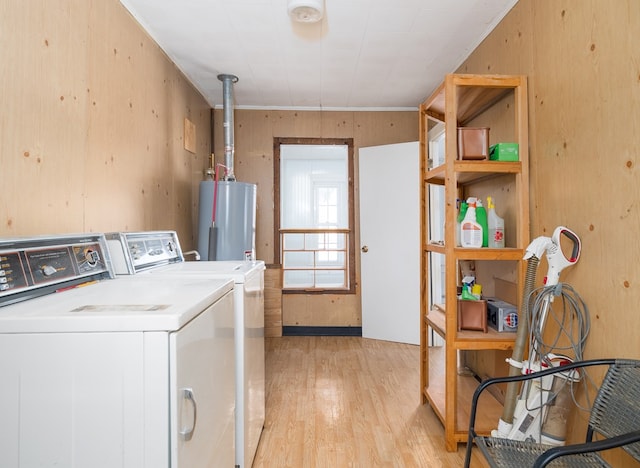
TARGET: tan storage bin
(473,143)
(472,315)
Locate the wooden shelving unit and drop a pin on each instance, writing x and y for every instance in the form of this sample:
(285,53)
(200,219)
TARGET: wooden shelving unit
(457,102)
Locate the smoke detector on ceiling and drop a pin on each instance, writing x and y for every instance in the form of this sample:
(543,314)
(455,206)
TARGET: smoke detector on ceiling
(306,11)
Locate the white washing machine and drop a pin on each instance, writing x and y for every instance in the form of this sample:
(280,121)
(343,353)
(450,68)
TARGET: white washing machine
(135,372)
(158,254)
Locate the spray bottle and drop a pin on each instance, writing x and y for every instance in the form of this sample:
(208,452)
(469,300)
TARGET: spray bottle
(470,229)
(461,214)
(496,226)
(481,217)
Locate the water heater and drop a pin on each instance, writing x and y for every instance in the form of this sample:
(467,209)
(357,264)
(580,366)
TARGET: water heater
(235,220)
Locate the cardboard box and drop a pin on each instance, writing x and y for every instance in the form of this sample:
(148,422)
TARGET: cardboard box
(501,315)
(504,152)
(473,142)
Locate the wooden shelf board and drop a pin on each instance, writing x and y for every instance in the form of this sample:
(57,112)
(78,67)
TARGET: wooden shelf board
(467,339)
(435,247)
(436,320)
(489,409)
(434,104)
(464,253)
(475,340)
(484,166)
(473,171)
(436,175)
(476,93)
(508,253)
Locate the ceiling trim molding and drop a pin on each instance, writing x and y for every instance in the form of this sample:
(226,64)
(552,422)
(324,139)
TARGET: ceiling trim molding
(328,109)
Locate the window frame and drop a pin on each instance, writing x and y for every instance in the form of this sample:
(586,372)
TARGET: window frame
(351,257)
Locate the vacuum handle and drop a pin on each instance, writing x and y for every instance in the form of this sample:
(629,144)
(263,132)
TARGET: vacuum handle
(556,258)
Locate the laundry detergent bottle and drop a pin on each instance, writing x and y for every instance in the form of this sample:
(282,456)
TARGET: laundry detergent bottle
(481,218)
(470,229)
(496,226)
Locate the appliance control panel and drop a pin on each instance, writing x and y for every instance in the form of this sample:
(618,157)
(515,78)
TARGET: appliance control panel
(32,267)
(133,252)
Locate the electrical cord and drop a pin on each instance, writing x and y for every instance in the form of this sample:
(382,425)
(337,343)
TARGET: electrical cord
(572,320)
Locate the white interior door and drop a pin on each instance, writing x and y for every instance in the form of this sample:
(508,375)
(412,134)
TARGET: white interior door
(390,242)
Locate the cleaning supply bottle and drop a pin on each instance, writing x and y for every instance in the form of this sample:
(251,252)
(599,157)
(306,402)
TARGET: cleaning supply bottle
(496,226)
(461,213)
(470,229)
(481,217)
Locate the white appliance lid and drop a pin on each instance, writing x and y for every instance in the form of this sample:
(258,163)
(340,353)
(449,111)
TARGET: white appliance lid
(236,270)
(139,303)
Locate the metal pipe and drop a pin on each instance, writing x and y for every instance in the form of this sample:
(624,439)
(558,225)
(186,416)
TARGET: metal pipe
(227,103)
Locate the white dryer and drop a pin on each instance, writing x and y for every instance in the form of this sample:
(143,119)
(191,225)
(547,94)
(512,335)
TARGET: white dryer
(158,254)
(100,372)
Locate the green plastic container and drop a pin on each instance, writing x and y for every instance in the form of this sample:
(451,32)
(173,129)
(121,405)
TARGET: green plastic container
(504,152)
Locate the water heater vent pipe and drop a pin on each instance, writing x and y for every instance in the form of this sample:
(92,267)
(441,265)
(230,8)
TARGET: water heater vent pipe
(227,103)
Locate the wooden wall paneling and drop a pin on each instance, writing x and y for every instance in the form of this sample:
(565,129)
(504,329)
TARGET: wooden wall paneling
(325,310)
(297,123)
(588,109)
(120,121)
(43,99)
(253,144)
(273,302)
(254,164)
(200,114)
(584,114)
(383,128)
(97,112)
(183,164)
(336,124)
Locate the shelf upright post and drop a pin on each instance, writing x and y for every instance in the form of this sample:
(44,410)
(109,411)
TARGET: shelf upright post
(451,193)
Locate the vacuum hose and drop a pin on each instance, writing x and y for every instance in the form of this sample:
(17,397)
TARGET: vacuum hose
(511,395)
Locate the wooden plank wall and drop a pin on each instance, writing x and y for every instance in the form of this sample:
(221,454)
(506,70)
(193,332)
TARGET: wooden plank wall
(254,134)
(91,134)
(582,59)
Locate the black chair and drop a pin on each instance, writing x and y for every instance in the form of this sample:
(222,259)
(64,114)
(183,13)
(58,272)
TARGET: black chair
(615,417)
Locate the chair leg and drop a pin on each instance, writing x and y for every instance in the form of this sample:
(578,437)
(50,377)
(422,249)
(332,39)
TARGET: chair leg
(467,456)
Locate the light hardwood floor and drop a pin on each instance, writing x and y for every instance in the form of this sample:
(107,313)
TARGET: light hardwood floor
(347,402)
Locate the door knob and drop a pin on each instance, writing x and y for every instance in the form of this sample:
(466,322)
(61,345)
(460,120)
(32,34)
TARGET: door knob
(365,248)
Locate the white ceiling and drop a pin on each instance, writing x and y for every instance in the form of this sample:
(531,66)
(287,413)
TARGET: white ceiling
(364,54)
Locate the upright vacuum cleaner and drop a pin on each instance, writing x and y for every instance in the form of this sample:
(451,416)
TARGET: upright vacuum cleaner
(538,410)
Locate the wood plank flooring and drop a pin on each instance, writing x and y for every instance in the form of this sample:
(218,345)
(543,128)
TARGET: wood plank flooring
(348,402)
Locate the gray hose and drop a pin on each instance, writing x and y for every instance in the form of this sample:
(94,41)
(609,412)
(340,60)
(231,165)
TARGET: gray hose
(522,334)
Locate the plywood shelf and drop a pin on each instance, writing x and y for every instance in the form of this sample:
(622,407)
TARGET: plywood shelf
(467,339)
(462,253)
(475,94)
(473,171)
(490,99)
(507,254)
(438,322)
